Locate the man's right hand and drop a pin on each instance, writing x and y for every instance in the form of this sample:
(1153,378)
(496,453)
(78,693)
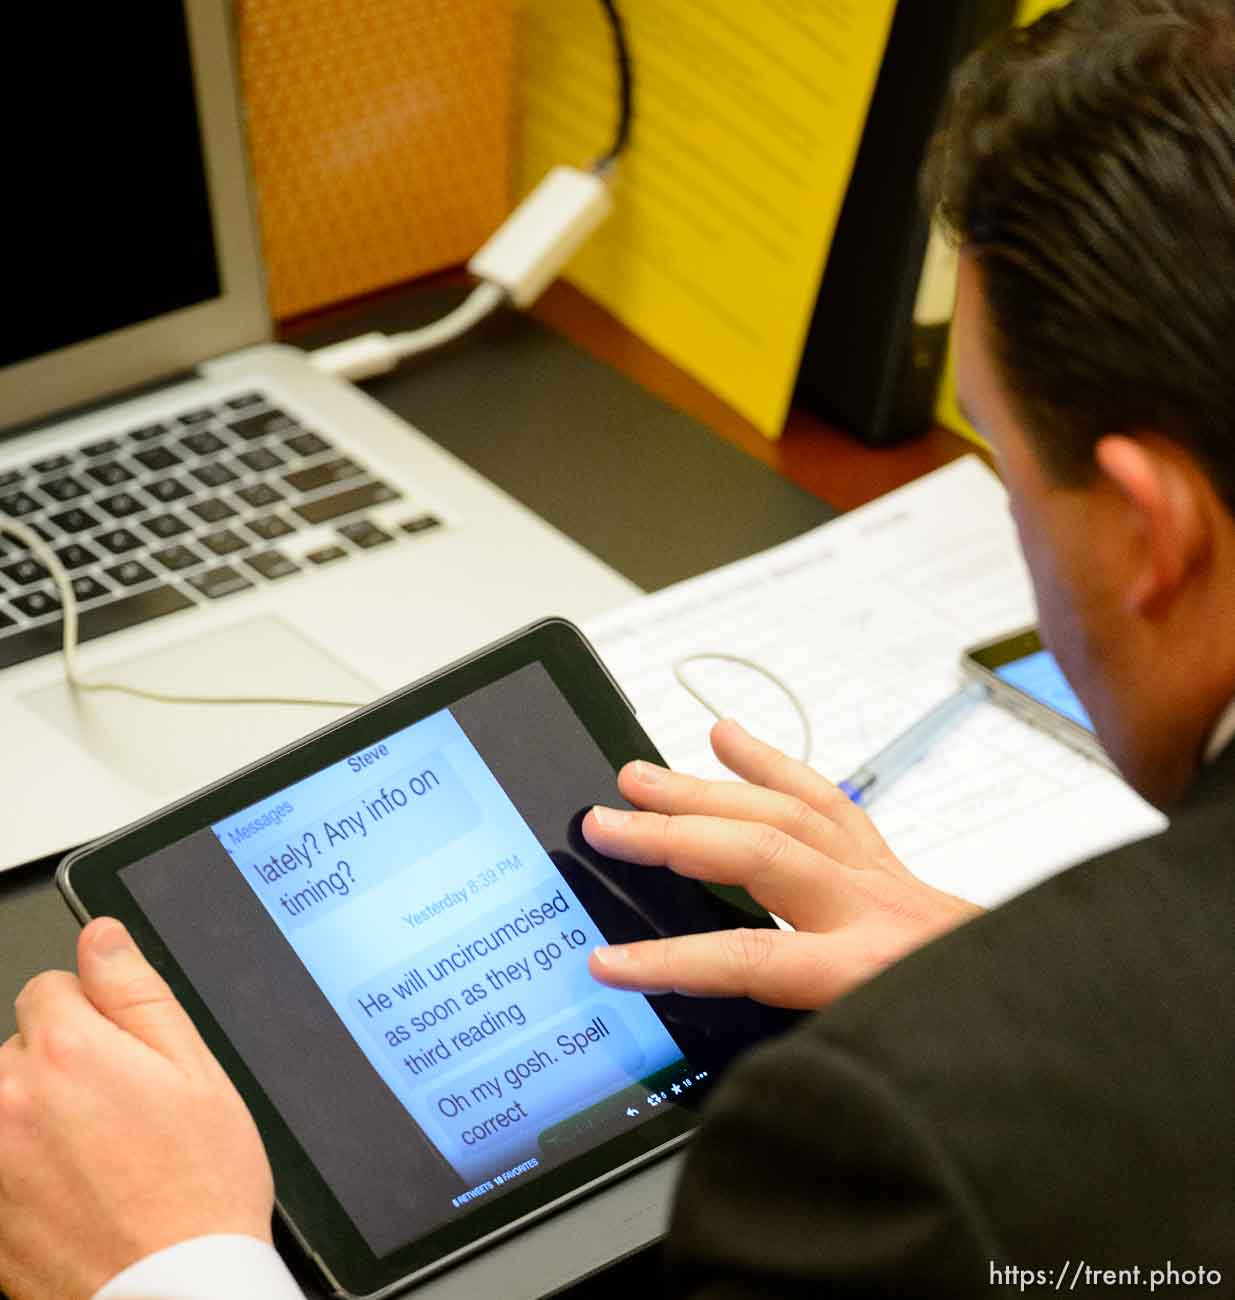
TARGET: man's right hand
(799,847)
(119,1132)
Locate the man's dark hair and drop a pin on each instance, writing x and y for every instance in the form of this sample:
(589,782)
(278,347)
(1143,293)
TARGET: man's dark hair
(1088,162)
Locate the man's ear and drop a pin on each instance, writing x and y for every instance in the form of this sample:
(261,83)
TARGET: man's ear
(1167,514)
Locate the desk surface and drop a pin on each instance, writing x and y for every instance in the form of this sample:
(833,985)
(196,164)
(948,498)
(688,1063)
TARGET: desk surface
(623,472)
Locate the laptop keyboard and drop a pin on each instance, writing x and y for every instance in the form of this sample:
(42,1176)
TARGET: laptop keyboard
(185,512)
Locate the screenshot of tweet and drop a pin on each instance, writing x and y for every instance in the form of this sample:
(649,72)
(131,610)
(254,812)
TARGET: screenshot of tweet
(450,946)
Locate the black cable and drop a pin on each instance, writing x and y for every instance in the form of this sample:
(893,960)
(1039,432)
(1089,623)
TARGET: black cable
(621,52)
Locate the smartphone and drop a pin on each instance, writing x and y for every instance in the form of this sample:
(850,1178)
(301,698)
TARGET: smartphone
(1022,675)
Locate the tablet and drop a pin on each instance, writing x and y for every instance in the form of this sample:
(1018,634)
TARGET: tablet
(382,932)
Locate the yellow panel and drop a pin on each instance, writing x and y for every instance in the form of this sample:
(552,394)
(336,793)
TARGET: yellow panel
(1031,10)
(747,119)
(379,131)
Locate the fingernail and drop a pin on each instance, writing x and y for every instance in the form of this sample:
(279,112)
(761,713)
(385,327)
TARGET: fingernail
(614,956)
(648,773)
(610,817)
(111,941)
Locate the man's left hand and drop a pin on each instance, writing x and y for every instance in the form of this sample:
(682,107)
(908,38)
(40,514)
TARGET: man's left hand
(119,1132)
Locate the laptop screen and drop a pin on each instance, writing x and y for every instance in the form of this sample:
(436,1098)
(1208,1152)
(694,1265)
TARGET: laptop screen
(107,217)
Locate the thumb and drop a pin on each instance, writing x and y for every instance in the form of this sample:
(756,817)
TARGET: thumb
(129,992)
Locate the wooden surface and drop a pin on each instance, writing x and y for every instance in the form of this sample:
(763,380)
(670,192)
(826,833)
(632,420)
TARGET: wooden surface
(831,464)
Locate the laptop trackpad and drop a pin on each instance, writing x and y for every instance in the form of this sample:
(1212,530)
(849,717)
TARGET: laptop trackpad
(171,749)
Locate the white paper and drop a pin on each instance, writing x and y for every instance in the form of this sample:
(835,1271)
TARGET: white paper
(865,618)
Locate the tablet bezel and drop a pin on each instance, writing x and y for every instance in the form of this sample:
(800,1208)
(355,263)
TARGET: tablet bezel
(90,882)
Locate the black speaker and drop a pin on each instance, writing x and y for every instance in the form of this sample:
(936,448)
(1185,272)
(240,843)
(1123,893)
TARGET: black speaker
(867,366)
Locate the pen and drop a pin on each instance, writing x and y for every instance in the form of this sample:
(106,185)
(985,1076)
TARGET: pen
(898,756)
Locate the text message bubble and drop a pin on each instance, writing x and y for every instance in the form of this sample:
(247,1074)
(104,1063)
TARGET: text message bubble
(498,1107)
(362,841)
(492,1000)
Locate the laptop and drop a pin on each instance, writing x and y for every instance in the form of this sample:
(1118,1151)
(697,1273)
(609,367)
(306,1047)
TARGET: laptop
(234,521)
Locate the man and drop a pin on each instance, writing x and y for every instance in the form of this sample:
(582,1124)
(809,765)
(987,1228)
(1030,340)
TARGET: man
(1039,1095)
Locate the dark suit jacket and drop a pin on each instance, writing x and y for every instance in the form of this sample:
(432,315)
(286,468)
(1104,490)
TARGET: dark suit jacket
(1052,1084)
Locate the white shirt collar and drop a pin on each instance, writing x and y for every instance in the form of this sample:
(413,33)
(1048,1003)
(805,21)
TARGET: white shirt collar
(1222,734)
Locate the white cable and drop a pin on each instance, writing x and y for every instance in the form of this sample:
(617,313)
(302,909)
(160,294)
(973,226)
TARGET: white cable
(59,575)
(807,737)
(515,264)
(68,600)
(376,354)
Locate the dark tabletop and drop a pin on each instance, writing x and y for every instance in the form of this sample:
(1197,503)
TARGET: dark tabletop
(651,492)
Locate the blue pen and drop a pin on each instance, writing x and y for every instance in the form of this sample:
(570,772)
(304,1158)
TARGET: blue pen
(897,757)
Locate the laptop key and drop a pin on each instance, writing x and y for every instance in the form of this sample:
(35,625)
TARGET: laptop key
(259,495)
(324,554)
(36,604)
(17,504)
(196,417)
(6,621)
(348,502)
(165,526)
(260,459)
(109,472)
(365,534)
(168,489)
(222,580)
(148,432)
(10,476)
(213,475)
(322,475)
(75,520)
(49,464)
(130,573)
(24,572)
(157,458)
(122,505)
(100,448)
(252,427)
(64,489)
(307,444)
(224,542)
(88,588)
(243,400)
(119,540)
(113,616)
(272,564)
(268,527)
(203,443)
(421,524)
(212,510)
(177,557)
(75,556)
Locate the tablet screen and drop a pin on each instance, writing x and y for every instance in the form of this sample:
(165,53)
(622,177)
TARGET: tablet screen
(396,945)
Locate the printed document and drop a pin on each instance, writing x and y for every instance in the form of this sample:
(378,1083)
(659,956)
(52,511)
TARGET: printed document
(865,618)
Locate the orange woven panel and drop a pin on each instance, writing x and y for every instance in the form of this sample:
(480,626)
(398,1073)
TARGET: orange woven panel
(379,131)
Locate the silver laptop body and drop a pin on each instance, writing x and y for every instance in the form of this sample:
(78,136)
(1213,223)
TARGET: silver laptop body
(258,528)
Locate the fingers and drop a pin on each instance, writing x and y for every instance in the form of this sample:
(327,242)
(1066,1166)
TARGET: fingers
(755,761)
(126,989)
(659,790)
(777,967)
(783,874)
(53,997)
